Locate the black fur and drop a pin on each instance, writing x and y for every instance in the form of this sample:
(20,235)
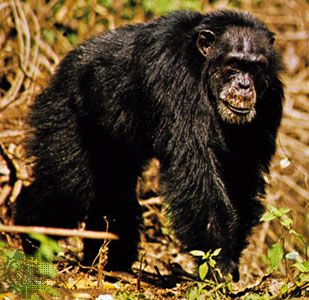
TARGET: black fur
(143,91)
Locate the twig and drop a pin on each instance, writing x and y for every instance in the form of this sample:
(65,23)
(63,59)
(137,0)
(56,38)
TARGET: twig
(16,190)
(4,194)
(139,277)
(11,133)
(60,232)
(294,186)
(253,288)
(10,164)
(295,289)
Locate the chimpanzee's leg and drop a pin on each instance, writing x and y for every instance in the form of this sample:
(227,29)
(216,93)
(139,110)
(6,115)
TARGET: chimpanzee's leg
(115,173)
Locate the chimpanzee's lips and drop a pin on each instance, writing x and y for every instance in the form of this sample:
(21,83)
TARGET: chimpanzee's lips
(237,110)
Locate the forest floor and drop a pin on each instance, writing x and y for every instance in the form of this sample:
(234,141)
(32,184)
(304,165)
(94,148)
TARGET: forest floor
(32,41)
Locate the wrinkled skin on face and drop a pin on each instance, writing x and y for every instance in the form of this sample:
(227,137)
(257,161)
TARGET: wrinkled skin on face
(237,71)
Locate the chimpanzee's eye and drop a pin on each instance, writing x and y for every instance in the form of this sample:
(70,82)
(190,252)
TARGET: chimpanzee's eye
(232,67)
(233,63)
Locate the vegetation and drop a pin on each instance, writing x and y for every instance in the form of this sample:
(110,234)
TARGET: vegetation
(34,36)
(27,276)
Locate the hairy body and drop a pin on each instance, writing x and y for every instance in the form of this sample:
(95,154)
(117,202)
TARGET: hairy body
(199,92)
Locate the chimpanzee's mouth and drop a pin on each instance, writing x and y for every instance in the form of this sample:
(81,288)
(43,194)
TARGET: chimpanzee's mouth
(237,110)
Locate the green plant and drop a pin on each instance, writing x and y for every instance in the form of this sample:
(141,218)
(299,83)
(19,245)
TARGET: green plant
(213,284)
(27,275)
(163,6)
(295,265)
(208,264)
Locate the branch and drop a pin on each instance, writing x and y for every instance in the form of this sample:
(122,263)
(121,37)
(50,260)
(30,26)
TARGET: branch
(60,232)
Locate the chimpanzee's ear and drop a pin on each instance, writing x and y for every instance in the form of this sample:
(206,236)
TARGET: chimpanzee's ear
(204,41)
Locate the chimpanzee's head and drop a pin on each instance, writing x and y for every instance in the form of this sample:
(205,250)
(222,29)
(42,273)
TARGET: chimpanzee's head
(240,66)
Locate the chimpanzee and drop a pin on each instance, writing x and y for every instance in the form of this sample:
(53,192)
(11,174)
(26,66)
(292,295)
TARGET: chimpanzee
(200,92)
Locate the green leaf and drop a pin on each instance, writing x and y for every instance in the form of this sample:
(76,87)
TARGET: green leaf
(284,288)
(304,277)
(275,255)
(216,252)
(300,236)
(197,253)
(274,213)
(212,262)
(292,231)
(230,286)
(282,211)
(201,285)
(207,255)
(268,216)
(48,247)
(203,270)
(286,221)
(302,266)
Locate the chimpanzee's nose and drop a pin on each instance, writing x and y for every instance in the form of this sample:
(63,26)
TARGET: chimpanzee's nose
(244,85)
(244,82)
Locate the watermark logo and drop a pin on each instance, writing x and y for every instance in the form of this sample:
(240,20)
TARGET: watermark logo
(25,275)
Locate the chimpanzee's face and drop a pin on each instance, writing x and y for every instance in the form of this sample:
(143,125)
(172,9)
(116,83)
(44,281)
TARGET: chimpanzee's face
(236,73)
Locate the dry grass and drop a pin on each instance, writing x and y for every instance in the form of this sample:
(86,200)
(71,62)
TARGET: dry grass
(35,35)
